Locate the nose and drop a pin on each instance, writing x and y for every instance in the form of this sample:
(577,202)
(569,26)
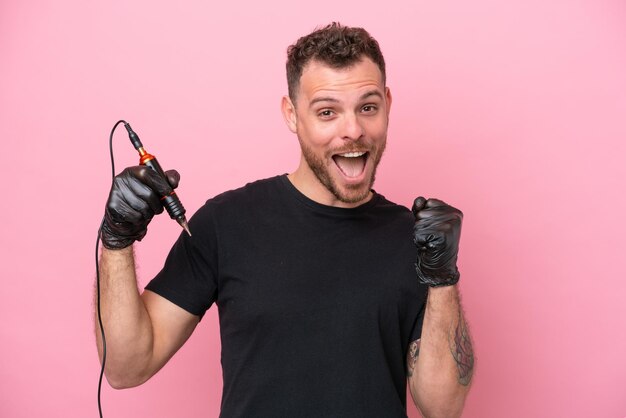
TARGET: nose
(351,127)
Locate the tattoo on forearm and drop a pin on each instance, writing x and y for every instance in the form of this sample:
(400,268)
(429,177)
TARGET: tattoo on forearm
(462,351)
(414,350)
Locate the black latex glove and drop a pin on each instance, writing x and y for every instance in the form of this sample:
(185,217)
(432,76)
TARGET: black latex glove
(133,201)
(436,234)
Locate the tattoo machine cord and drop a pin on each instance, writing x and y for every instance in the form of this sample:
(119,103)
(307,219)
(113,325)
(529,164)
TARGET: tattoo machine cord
(104,344)
(171,203)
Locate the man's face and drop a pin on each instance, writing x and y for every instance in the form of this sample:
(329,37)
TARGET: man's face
(341,118)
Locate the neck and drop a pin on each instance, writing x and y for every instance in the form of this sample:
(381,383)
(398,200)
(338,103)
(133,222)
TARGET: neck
(307,183)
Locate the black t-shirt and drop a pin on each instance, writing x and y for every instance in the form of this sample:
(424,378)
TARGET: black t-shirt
(317,304)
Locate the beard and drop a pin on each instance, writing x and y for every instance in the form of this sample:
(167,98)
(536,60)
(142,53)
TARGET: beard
(349,194)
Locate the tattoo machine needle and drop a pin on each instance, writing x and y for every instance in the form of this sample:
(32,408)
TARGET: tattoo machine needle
(171,202)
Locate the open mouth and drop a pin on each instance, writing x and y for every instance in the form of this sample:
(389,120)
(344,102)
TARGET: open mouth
(351,164)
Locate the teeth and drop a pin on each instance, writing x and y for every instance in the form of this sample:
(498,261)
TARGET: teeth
(352,154)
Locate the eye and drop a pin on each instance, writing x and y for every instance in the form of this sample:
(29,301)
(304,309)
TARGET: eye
(369,108)
(325,113)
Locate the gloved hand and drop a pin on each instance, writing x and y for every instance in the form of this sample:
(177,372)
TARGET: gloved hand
(436,234)
(133,201)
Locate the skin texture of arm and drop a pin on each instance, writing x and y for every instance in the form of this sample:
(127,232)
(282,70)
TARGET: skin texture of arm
(440,365)
(142,331)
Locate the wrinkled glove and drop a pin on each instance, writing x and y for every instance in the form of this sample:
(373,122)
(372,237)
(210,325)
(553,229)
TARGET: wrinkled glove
(133,201)
(436,235)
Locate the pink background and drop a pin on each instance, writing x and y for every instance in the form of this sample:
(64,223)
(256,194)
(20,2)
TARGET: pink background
(513,111)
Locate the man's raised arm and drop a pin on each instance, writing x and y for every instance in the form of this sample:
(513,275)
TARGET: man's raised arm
(142,332)
(440,364)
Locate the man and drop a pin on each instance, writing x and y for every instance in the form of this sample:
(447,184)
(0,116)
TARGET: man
(321,283)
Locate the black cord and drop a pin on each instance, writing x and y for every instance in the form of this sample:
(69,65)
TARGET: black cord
(104,344)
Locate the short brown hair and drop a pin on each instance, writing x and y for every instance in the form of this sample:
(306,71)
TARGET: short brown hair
(335,45)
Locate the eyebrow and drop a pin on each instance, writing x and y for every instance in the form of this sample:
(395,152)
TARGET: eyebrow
(333,100)
(371,93)
(323,99)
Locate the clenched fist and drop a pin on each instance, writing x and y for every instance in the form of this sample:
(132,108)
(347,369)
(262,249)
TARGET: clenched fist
(436,234)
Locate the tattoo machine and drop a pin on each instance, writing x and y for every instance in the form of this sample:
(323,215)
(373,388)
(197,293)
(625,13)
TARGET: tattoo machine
(171,202)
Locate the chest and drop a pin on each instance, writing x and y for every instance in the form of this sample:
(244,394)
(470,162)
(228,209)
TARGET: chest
(341,273)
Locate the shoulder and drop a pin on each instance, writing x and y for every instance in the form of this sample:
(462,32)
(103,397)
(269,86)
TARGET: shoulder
(259,189)
(388,208)
(245,199)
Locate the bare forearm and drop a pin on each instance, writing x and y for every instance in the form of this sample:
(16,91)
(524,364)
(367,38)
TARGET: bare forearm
(441,366)
(127,326)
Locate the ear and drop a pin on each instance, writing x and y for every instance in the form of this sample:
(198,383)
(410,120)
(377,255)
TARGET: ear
(289,114)
(388,98)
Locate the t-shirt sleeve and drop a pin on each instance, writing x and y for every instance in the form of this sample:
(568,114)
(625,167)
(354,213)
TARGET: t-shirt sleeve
(189,276)
(416,334)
